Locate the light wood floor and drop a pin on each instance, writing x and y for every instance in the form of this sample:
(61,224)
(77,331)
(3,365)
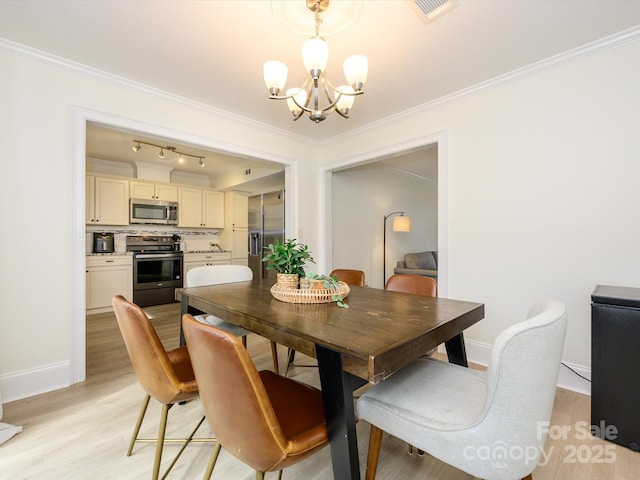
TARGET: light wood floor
(82,432)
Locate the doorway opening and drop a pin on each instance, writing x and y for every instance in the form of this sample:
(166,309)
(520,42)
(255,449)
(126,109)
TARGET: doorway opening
(83,118)
(411,177)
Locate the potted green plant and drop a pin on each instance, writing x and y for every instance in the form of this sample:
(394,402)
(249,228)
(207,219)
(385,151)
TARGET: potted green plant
(326,282)
(287,259)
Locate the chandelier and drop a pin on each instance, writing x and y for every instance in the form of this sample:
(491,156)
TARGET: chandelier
(136,148)
(317,96)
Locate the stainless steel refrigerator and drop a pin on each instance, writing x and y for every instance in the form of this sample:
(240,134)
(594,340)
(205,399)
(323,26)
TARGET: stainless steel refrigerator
(266,225)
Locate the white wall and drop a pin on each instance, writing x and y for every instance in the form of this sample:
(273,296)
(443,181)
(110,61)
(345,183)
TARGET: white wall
(362,196)
(543,186)
(543,183)
(42,135)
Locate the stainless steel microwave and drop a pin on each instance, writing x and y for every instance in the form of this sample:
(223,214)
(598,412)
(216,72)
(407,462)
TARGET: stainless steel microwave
(153,211)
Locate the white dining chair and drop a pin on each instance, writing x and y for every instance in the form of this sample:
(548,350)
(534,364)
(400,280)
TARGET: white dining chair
(487,424)
(215,275)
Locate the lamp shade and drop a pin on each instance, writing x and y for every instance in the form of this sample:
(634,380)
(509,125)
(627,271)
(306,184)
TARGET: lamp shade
(401,224)
(275,75)
(356,68)
(345,102)
(300,96)
(315,54)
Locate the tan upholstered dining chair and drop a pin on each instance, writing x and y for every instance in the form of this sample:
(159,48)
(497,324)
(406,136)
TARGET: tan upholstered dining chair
(268,421)
(419,285)
(486,424)
(215,275)
(167,376)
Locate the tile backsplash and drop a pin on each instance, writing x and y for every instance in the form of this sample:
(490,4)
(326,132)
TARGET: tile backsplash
(193,240)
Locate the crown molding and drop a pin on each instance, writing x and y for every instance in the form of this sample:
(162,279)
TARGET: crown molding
(589,49)
(16,49)
(593,48)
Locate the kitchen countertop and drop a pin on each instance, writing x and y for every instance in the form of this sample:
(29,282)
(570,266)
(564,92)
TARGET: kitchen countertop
(208,251)
(91,254)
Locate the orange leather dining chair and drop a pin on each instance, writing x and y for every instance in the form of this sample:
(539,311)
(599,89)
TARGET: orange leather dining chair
(268,421)
(167,376)
(402,282)
(350,277)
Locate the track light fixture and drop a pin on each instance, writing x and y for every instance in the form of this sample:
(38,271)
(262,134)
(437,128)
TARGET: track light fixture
(138,145)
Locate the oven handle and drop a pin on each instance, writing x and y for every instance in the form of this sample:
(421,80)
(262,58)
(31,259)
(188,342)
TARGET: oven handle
(157,255)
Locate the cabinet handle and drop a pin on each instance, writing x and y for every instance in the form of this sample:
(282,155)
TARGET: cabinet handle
(109,261)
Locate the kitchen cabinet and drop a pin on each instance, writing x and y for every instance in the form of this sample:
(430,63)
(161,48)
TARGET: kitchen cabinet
(107,201)
(192,260)
(235,234)
(236,210)
(153,191)
(107,276)
(200,208)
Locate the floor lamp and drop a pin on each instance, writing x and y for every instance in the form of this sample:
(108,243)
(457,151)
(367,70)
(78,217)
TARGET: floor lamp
(399,224)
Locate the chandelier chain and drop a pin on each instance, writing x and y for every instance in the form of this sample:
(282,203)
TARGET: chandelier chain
(317,18)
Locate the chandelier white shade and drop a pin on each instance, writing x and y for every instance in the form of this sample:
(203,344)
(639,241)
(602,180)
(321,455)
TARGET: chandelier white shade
(315,54)
(317,96)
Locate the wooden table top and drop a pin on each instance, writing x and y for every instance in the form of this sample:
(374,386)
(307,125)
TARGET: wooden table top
(379,333)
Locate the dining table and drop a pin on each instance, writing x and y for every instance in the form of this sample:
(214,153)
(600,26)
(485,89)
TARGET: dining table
(377,334)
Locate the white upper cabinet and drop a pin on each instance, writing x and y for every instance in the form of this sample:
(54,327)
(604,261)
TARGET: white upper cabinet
(235,235)
(154,191)
(200,208)
(107,201)
(236,207)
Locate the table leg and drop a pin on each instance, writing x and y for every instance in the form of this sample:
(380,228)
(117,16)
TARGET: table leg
(185,308)
(456,353)
(337,394)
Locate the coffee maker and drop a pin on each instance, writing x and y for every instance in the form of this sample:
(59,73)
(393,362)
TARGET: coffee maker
(103,242)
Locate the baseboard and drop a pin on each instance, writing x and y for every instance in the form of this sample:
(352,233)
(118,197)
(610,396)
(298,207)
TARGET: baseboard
(480,353)
(52,377)
(28,383)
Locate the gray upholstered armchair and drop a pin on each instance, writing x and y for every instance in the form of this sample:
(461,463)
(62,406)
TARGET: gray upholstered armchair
(420,263)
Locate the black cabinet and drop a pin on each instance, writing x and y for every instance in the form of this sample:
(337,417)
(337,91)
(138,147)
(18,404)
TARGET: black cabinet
(615,364)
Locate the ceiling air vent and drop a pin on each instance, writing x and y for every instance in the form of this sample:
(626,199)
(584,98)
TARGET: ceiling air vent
(432,9)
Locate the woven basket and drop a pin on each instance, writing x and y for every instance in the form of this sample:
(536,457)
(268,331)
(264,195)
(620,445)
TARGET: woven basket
(287,280)
(296,295)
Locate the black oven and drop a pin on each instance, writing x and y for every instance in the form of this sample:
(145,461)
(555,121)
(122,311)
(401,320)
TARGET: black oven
(157,270)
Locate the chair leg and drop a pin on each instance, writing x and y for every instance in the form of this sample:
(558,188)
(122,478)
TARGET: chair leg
(375,440)
(290,355)
(212,461)
(136,430)
(244,341)
(410,451)
(160,444)
(274,355)
(259,475)
(187,441)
